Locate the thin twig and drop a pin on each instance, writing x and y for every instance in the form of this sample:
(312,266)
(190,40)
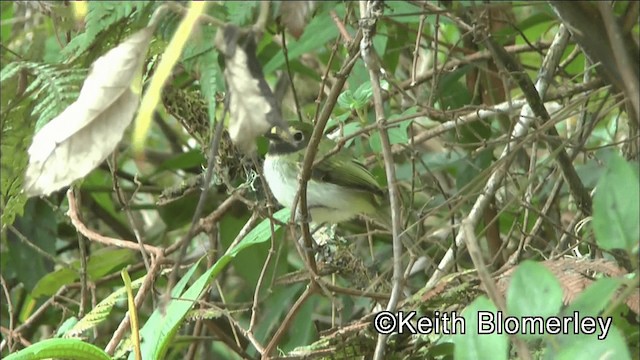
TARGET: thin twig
(535,108)
(285,52)
(287,320)
(213,153)
(495,180)
(368,23)
(247,334)
(137,232)
(94,236)
(41,310)
(263,272)
(7,295)
(340,26)
(300,200)
(147,284)
(37,249)
(82,246)
(621,56)
(416,50)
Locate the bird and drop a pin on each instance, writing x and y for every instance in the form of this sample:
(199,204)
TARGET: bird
(340,187)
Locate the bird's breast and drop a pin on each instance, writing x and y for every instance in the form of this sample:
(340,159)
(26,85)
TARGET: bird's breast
(281,178)
(326,202)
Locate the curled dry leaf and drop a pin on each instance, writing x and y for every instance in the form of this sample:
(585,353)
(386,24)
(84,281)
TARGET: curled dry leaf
(252,106)
(86,132)
(294,15)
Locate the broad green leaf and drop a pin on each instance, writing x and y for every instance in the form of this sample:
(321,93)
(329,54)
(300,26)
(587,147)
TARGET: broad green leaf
(100,263)
(533,291)
(480,339)
(239,12)
(346,100)
(583,346)
(279,303)
(397,135)
(72,349)
(51,282)
(320,30)
(616,208)
(152,330)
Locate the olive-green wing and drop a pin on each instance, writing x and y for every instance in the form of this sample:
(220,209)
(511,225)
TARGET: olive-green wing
(342,169)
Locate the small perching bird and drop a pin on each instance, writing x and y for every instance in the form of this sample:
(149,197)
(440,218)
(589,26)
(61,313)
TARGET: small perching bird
(340,187)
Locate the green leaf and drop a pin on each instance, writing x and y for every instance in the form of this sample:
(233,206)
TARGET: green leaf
(305,329)
(397,135)
(181,161)
(161,327)
(319,31)
(471,345)
(38,225)
(67,325)
(102,310)
(71,349)
(595,298)
(346,100)
(616,209)
(6,27)
(569,347)
(403,11)
(239,12)
(362,95)
(50,283)
(100,263)
(279,304)
(153,330)
(533,291)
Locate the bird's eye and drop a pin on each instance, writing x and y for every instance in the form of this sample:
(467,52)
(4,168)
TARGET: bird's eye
(298,136)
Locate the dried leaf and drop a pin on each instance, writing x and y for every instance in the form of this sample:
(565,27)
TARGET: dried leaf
(575,275)
(86,132)
(294,15)
(252,105)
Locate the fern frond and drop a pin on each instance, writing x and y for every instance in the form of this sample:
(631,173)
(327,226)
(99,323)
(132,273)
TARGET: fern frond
(100,17)
(53,88)
(200,314)
(9,71)
(103,309)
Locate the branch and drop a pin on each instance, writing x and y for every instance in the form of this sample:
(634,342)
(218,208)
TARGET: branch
(494,181)
(94,236)
(370,11)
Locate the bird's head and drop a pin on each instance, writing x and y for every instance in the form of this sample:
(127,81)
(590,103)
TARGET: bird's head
(293,139)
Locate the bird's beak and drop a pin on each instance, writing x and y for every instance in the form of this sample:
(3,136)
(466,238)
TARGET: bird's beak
(278,133)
